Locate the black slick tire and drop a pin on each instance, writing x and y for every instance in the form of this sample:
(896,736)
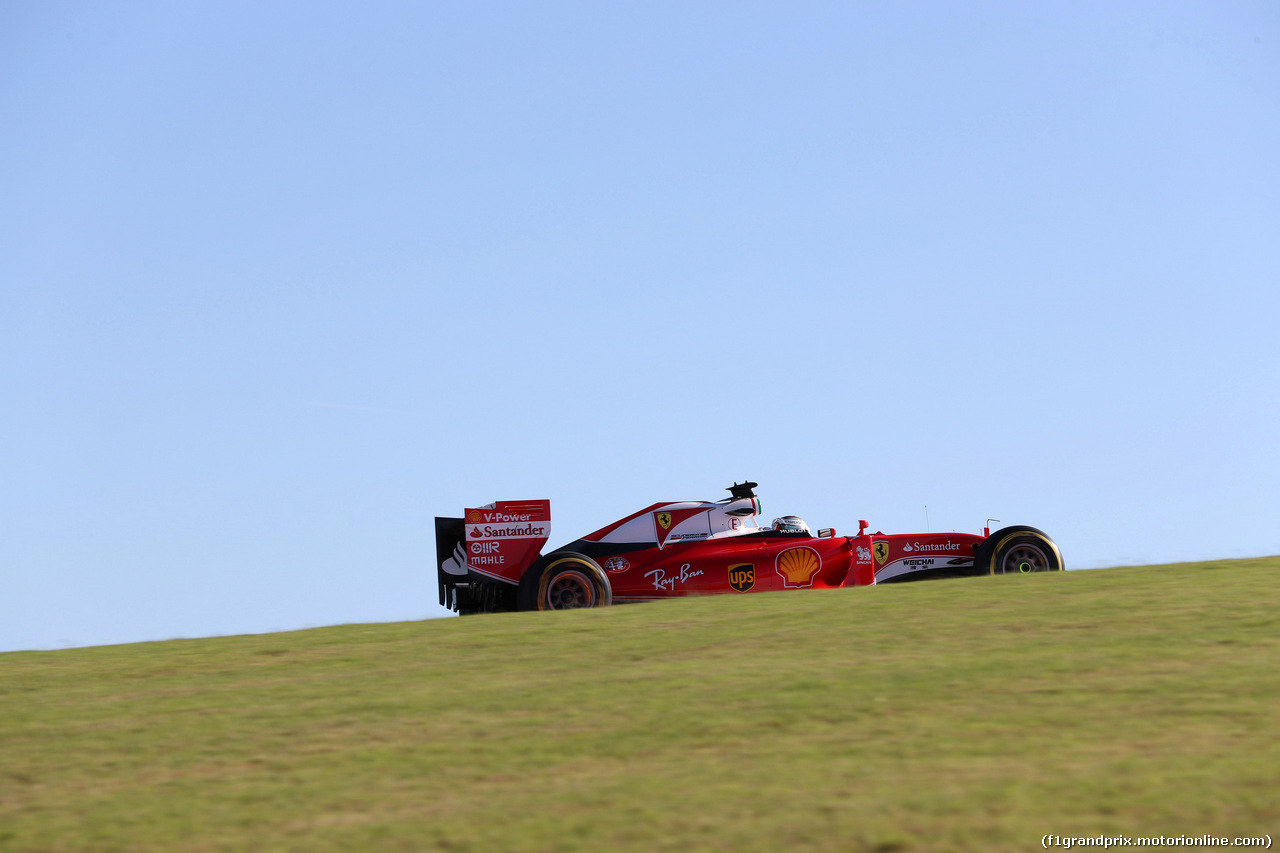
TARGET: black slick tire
(564,581)
(1018,551)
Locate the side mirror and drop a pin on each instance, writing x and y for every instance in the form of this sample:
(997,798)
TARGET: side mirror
(862,526)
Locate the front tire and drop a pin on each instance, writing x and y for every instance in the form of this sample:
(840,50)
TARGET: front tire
(564,582)
(1018,551)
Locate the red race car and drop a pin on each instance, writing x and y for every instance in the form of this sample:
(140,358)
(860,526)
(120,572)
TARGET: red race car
(490,559)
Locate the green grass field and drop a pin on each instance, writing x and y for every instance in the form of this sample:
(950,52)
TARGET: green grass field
(950,715)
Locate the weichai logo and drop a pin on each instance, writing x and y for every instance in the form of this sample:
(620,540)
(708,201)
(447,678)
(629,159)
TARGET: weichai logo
(742,576)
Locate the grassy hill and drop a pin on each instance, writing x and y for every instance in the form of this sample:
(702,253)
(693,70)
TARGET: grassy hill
(969,714)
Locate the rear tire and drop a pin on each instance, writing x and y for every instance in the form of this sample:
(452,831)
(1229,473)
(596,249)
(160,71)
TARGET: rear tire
(1018,551)
(564,581)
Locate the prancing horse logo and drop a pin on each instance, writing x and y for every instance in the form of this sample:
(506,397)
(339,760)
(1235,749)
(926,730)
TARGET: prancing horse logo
(664,520)
(882,551)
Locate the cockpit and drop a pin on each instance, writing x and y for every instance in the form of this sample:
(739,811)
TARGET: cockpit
(685,521)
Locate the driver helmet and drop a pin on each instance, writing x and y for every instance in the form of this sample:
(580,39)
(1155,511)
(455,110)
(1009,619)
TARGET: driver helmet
(790,524)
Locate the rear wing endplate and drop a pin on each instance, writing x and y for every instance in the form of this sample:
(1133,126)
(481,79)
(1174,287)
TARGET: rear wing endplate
(489,544)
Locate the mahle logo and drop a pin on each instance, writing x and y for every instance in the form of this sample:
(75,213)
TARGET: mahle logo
(882,552)
(664,520)
(742,576)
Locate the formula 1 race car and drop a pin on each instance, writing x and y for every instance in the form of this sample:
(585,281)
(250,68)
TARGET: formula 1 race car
(490,559)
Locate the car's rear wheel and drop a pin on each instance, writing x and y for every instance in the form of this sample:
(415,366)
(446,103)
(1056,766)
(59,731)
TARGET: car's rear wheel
(564,582)
(1018,551)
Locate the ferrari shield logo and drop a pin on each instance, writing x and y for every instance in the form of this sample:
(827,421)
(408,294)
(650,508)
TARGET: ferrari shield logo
(664,520)
(742,576)
(882,552)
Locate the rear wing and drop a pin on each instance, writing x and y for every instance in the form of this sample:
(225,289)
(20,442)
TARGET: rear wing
(489,545)
(451,559)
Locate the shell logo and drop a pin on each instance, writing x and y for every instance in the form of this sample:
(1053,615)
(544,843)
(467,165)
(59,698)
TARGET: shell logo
(798,566)
(475,516)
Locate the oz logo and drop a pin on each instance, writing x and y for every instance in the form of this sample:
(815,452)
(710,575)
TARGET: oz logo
(664,520)
(882,552)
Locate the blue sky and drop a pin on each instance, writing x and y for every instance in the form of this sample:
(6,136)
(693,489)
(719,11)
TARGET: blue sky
(281,282)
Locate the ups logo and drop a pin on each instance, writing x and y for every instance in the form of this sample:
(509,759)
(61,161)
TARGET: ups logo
(742,577)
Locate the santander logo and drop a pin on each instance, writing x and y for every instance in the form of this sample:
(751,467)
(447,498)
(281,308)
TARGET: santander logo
(908,547)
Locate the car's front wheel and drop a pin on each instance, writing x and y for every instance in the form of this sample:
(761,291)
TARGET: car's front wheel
(564,582)
(1018,551)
